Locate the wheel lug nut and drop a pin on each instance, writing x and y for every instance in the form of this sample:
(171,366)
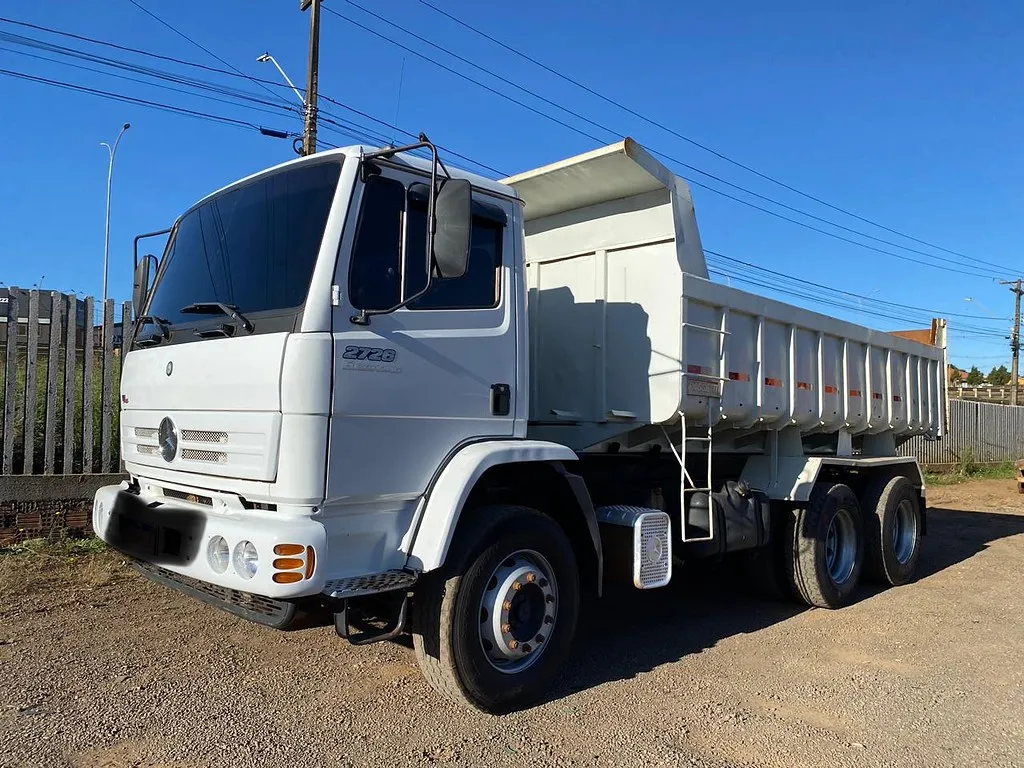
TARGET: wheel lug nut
(550,598)
(548,620)
(527,648)
(513,644)
(543,583)
(506,628)
(507,605)
(539,638)
(531,577)
(516,586)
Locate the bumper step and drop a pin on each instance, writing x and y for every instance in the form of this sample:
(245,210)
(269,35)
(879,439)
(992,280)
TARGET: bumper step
(278,614)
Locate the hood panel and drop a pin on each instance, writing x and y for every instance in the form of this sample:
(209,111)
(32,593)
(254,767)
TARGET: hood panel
(232,374)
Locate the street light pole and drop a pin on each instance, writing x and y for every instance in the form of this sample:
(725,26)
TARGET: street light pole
(111,150)
(267,57)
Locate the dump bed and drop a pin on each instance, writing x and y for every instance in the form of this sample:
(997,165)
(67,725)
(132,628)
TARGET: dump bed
(627,331)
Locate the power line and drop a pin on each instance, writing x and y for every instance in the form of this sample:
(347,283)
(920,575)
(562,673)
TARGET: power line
(834,303)
(140,52)
(130,99)
(687,139)
(849,293)
(149,82)
(365,132)
(663,155)
(410,134)
(613,132)
(816,298)
(360,132)
(203,48)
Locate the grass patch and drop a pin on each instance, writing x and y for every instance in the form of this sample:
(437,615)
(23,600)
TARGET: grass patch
(973,471)
(39,564)
(65,547)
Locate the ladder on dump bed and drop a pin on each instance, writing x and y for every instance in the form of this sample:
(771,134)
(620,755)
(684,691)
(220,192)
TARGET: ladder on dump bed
(687,485)
(701,383)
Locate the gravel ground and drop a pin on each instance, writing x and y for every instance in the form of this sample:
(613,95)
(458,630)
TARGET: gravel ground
(101,669)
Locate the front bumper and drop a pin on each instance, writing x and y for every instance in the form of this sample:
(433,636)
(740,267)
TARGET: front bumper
(176,537)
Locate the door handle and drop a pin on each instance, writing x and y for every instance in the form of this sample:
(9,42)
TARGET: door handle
(501,399)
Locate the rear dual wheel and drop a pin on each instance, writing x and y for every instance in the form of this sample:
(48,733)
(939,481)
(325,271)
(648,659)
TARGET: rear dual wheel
(893,526)
(825,547)
(833,541)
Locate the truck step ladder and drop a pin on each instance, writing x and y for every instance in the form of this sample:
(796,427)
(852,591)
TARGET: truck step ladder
(688,485)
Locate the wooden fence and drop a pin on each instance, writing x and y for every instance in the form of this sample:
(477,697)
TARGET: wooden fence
(59,383)
(1000,395)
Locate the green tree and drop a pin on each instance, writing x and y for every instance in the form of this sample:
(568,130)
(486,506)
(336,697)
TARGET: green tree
(975,377)
(999,377)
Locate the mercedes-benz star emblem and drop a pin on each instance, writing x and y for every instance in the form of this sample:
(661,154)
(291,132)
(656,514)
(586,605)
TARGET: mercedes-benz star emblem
(168,437)
(170,368)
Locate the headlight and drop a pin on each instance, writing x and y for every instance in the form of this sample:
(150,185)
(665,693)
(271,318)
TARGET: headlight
(247,559)
(218,554)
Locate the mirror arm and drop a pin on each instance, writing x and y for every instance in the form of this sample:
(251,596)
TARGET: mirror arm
(363,318)
(135,246)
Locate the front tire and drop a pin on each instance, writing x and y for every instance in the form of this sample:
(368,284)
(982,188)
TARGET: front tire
(494,627)
(825,547)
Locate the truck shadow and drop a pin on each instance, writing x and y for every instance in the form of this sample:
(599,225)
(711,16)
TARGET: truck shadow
(628,633)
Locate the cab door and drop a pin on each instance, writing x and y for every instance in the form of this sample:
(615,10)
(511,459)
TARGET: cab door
(414,385)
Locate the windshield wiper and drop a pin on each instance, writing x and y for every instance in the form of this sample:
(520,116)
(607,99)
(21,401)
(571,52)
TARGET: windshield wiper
(214,308)
(163,325)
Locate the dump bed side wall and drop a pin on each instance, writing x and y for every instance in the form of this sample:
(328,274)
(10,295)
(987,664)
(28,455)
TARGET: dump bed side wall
(783,366)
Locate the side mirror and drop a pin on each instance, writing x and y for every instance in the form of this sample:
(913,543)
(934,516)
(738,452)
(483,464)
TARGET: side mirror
(140,290)
(453,209)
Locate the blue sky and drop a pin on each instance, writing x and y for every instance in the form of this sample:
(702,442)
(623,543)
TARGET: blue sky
(907,114)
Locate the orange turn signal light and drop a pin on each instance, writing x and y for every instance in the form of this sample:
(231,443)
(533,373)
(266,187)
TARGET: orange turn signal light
(288,549)
(288,577)
(310,562)
(288,563)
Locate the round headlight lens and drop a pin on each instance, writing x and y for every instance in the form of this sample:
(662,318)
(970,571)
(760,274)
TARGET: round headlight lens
(218,554)
(247,559)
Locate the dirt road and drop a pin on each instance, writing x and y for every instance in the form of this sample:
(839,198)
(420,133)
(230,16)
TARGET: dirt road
(98,668)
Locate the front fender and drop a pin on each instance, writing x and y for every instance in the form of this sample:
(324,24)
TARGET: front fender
(439,513)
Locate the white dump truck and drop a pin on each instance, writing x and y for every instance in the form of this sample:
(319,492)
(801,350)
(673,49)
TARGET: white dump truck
(432,403)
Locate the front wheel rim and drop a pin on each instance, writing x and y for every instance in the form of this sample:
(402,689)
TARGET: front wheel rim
(904,531)
(518,610)
(841,547)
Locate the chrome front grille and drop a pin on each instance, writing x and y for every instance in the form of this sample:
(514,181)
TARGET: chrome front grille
(201,436)
(228,444)
(194,454)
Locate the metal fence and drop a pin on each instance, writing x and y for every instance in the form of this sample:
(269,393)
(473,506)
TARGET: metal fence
(59,383)
(983,432)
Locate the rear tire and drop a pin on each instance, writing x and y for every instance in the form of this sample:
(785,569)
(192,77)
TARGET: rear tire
(825,547)
(479,638)
(892,522)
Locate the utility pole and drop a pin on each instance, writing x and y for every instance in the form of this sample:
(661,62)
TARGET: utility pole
(1015,337)
(313,76)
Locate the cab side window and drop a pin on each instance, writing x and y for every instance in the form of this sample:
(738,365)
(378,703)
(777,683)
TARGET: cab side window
(393,220)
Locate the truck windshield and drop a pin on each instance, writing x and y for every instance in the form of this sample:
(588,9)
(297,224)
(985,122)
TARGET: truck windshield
(253,247)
